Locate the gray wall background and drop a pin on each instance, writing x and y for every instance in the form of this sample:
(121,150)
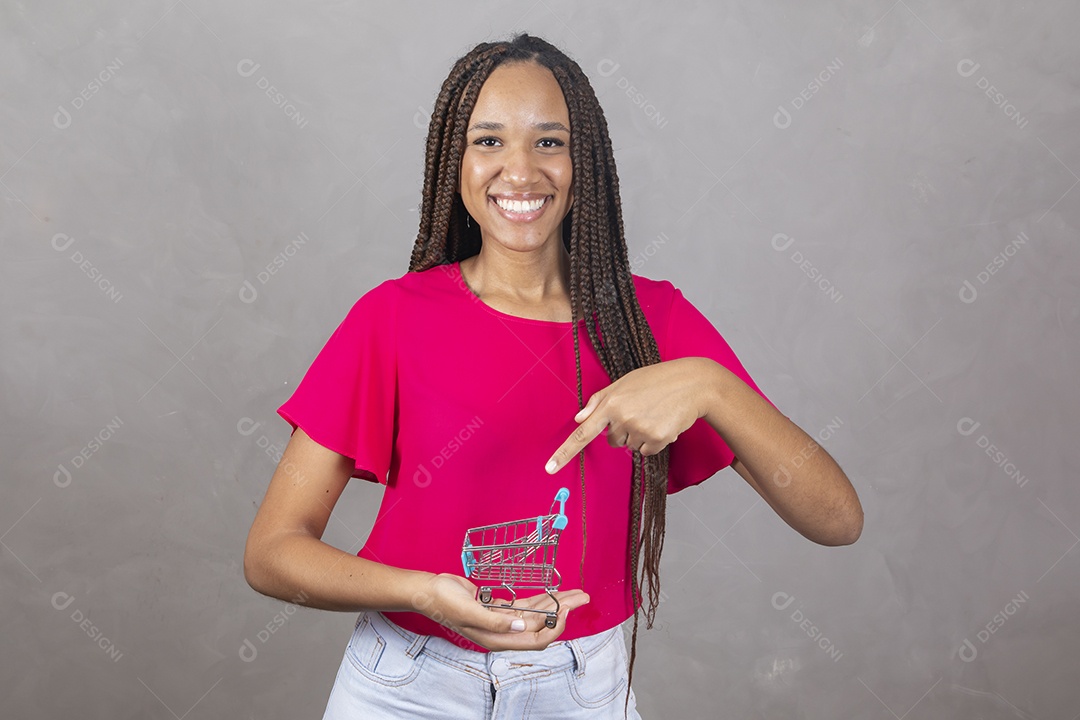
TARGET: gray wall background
(875,203)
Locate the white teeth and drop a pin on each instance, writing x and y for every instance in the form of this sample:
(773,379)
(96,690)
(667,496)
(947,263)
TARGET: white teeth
(519,206)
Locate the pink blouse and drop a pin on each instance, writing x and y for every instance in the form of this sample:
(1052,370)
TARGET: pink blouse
(455,407)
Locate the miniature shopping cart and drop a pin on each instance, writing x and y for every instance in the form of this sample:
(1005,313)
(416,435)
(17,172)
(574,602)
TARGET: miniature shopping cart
(517,555)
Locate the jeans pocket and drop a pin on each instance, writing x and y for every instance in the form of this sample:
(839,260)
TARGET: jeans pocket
(379,654)
(605,675)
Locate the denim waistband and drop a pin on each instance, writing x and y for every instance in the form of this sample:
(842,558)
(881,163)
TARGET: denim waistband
(500,667)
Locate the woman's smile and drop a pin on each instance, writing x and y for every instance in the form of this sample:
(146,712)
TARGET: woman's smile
(520,210)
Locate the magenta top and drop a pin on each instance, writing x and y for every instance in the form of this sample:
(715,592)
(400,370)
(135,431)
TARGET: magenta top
(455,407)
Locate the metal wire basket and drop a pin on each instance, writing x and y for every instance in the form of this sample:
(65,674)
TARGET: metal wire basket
(517,555)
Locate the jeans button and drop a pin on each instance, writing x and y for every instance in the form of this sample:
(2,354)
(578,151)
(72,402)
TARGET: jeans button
(499,666)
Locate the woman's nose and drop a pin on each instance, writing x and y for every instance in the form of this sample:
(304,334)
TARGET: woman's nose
(519,167)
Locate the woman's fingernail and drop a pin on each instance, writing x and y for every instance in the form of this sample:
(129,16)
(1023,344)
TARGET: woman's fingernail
(550,467)
(517,625)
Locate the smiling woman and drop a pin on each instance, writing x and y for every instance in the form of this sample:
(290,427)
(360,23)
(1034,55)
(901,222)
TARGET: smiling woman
(518,284)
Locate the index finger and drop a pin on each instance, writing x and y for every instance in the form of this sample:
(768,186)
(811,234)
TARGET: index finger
(582,436)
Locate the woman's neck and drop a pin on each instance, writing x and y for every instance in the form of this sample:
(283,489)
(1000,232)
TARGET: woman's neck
(527,283)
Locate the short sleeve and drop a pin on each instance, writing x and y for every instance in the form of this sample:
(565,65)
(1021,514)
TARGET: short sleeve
(347,399)
(699,452)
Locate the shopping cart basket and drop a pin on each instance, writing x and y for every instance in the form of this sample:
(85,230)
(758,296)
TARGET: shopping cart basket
(517,555)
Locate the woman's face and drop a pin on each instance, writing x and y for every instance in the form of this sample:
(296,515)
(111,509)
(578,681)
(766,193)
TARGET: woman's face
(517,152)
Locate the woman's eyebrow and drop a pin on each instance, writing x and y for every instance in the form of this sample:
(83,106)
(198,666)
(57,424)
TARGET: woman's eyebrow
(545,126)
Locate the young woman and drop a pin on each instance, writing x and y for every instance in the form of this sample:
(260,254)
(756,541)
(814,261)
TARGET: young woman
(453,387)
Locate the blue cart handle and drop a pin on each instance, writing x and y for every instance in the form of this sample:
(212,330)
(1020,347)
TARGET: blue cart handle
(561,498)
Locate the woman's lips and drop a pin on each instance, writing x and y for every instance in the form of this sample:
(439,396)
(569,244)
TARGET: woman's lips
(522,217)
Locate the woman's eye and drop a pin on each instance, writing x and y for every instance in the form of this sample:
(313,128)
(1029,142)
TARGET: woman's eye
(556,142)
(483,140)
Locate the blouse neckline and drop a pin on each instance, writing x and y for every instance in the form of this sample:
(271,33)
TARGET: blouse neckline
(459,280)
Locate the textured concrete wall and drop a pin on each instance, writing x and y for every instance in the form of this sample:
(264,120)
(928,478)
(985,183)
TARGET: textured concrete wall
(875,203)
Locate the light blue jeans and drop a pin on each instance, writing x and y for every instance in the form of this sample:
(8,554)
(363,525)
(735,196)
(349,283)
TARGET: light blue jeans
(389,672)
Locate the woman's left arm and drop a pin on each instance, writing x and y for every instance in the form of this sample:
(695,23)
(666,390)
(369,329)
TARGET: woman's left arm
(649,407)
(792,472)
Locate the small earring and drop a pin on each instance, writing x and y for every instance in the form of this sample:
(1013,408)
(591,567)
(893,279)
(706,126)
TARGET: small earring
(467,219)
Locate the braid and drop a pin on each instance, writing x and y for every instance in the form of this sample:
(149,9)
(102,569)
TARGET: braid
(439,239)
(601,285)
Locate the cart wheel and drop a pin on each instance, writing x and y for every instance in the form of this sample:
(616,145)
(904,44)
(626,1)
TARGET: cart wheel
(485,595)
(551,620)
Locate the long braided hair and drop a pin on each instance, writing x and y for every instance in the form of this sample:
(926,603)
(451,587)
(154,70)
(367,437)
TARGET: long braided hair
(601,286)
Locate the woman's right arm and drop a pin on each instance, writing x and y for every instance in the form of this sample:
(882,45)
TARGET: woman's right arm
(285,558)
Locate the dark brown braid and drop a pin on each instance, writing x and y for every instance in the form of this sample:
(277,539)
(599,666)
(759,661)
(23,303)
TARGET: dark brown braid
(601,286)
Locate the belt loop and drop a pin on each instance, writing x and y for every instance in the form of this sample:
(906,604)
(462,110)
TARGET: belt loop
(579,657)
(417,645)
(416,641)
